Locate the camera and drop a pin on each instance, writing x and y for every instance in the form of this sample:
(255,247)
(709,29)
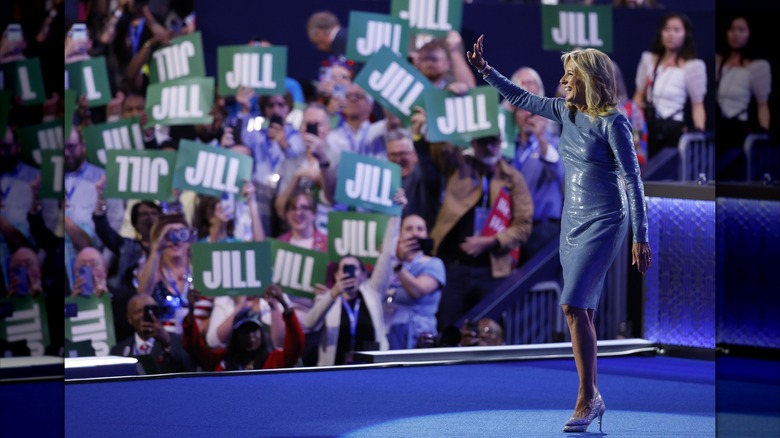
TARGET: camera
(426,244)
(87,285)
(312,128)
(22,286)
(182,235)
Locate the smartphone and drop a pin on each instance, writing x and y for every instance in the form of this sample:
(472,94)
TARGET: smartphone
(426,244)
(78,32)
(149,310)
(228,204)
(88,286)
(349,271)
(235,125)
(339,91)
(277,119)
(325,73)
(312,128)
(23,286)
(13,32)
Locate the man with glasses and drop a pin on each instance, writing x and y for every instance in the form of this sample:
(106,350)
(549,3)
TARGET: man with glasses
(355,134)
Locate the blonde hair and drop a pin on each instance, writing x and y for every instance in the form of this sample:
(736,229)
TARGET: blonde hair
(597,72)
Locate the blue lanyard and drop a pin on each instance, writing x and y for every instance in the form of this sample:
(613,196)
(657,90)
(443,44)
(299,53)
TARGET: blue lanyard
(528,151)
(135,34)
(11,176)
(69,191)
(363,134)
(353,317)
(272,158)
(172,282)
(485,192)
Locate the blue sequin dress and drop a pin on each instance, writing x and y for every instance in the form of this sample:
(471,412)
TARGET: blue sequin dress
(595,153)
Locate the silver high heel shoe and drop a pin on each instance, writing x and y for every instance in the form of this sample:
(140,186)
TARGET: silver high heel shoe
(580,424)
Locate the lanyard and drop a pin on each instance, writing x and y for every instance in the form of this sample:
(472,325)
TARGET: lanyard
(172,282)
(135,34)
(485,192)
(363,134)
(272,157)
(69,191)
(353,317)
(534,145)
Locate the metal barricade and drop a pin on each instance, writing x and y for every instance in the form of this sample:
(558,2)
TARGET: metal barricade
(762,158)
(537,317)
(697,156)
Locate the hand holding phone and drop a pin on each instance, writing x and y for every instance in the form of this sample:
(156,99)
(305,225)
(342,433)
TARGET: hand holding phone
(312,128)
(277,119)
(87,282)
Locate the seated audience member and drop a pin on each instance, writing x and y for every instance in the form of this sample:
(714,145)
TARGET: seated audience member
(421,181)
(250,348)
(476,264)
(270,145)
(349,314)
(299,215)
(310,170)
(416,289)
(485,332)
(150,338)
(167,273)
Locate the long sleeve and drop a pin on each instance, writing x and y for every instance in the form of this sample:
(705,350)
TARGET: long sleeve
(544,106)
(622,145)
(110,238)
(294,342)
(322,303)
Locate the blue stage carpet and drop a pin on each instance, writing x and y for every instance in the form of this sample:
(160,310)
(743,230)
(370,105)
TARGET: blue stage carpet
(645,397)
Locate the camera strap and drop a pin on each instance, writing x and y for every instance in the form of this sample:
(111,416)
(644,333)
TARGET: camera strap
(135,34)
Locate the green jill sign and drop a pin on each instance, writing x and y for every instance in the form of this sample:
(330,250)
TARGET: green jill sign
(262,69)
(567,27)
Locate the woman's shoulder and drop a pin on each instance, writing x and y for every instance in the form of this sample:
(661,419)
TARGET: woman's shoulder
(759,65)
(694,64)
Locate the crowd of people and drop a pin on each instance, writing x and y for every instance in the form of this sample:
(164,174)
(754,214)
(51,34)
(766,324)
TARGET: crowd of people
(138,253)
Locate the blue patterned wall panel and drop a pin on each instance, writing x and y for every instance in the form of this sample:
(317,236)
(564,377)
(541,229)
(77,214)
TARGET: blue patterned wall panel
(748,274)
(680,286)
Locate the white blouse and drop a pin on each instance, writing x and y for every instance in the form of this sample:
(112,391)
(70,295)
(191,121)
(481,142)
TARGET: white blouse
(738,84)
(671,86)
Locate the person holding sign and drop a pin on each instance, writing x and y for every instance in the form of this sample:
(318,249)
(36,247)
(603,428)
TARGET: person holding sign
(601,168)
(415,292)
(251,349)
(349,314)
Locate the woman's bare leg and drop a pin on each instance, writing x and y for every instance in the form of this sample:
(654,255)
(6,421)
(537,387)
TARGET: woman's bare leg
(583,342)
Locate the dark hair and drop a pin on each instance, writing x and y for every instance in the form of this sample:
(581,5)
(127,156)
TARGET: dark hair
(688,49)
(134,211)
(433,45)
(204,211)
(237,359)
(723,48)
(262,101)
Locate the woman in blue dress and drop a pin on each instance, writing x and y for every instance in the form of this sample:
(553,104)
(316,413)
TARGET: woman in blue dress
(601,168)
